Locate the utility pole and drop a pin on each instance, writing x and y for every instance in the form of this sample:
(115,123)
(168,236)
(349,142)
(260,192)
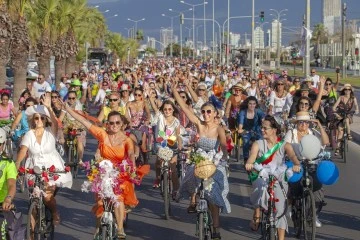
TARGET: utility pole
(343,43)
(307,66)
(253,40)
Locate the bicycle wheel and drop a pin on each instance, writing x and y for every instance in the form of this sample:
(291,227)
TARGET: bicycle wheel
(296,217)
(201,226)
(309,216)
(345,148)
(238,152)
(50,229)
(104,233)
(9,148)
(166,193)
(33,230)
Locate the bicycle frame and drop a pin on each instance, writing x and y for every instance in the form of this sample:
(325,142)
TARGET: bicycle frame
(204,219)
(166,189)
(107,221)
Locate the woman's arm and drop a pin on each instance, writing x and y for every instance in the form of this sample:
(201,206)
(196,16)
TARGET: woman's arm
(127,111)
(184,107)
(222,138)
(337,82)
(101,115)
(356,106)
(336,104)
(16,121)
(148,114)
(77,116)
(46,101)
(153,104)
(291,154)
(252,156)
(228,107)
(192,92)
(21,155)
(318,98)
(241,119)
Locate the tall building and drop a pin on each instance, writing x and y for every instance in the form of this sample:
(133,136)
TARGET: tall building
(151,43)
(331,15)
(166,36)
(234,39)
(276,34)
(259,38)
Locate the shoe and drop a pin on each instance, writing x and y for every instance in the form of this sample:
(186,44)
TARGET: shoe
(192,208)
(337,152)
(156,183)
(121,234)
(318,224)
(350,138)
(216,235)
(255,224)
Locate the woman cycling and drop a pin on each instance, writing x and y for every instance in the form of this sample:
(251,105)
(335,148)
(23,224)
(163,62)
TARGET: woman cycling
(344,108)
(211,135)
(6,108)
(138,114)
(249,124)
(233,105)
(278,98)
(167,123)
(269,153)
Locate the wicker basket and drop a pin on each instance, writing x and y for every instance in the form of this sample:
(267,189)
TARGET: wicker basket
(205,169)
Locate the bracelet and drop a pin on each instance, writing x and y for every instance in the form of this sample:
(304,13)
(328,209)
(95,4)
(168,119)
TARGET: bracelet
(9,196)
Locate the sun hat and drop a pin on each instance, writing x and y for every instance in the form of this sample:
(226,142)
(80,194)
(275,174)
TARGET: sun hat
(76,82)
(304,87)
(124,87)
(347,86)
(39,109)
(2,135)
(202,85)
(302,116)
(238,85)
(308,79)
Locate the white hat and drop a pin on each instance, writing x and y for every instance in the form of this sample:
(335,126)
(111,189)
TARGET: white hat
(40,109)
(124,87)
(302,116)
(2,135)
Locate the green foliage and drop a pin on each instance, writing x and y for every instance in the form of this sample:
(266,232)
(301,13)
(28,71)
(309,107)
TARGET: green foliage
(196,158)
(119,45)
(150,51)
(176,50)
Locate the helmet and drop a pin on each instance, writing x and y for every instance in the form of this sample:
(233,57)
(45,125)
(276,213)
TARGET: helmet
(2,135)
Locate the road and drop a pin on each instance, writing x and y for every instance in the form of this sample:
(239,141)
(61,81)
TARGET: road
(341,217)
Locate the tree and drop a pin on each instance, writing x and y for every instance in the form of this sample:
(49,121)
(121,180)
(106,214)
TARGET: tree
(320,35)
(119,45)
(19,45)
(139,35)
(176,50)
(150,51)
(5,36)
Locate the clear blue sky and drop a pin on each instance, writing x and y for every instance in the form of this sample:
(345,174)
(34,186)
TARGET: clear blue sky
(152,10)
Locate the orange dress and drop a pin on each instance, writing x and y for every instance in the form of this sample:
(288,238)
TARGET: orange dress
(218,90)
(116,154)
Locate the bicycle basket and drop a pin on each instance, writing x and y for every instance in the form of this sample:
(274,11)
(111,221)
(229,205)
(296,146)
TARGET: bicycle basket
(205,169)
(165,153)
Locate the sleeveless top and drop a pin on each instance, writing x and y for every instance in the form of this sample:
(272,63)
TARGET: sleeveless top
(107,110)
(5,114)
(279,156)
(137,118)
(207,144)
(346,106)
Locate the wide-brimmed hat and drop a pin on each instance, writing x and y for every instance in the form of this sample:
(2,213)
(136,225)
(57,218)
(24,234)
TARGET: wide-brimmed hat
(124,87)
(40,109)
(308,79)
(201,85)
(347,86)
(305,87)
(239,86)
(76,82)
(302,116)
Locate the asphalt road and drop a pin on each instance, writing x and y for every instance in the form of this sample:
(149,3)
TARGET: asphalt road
(341,217)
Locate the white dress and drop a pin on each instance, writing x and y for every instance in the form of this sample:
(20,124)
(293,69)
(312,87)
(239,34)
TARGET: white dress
(45,154)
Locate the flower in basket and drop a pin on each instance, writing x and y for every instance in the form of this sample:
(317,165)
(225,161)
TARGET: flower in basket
(165,153)
(204,166)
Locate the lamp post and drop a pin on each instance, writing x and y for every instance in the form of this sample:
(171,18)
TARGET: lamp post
(136,22)
(193,27)
(128,31)
(181,44)
(278,15)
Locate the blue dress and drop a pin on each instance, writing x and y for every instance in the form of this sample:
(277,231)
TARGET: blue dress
(220,187)
(24,127)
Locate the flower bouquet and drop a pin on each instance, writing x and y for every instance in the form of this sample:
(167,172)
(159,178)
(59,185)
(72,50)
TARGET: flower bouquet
(204,166)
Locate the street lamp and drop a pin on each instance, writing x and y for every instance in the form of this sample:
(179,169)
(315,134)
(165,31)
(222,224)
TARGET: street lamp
(181,44)
(115,15)
(136,22)
(278,15)
(128,31)
(193,28)
(106,11)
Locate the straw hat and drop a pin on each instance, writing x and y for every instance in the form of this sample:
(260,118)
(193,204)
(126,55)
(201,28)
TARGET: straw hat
(238,85)
(347,86)
(302,116)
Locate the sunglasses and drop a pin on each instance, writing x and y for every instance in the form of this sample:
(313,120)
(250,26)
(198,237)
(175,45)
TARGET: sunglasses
(201,89)
(71,98)
(296,81)
(54,97)
(281,84)
(113,99)
(206,111)
(168,109)
(137,95)
(38,118)
(304,103)
(347,89)
(313,72)
(113,123)
(40,78)
(303,122)
(328,84)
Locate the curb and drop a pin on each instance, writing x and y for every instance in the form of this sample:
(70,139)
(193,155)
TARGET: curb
(356,137)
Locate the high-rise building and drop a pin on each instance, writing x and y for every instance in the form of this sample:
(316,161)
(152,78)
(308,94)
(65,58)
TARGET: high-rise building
(276,34)
(259,37)
(331,15)
(234,39)
(166,36)
(151,43)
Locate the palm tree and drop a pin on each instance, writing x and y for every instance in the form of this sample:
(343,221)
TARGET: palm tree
(119,45)
(41,24)
(5,36)
(140,35)
(19,45)
(320,35)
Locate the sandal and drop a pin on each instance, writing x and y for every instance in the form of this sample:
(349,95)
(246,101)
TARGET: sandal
(121,234)
(255,224)
(192,208)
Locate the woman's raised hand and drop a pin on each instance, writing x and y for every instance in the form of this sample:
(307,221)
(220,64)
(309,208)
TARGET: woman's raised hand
(46,100)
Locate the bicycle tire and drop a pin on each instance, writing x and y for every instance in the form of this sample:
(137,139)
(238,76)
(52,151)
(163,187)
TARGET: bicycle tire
(50,228)
(345,148)
(309,216)
(21,181)
(104,235)
(9,146)
(29,231)
(201,226)
(333,139)
(238,152)
(166,193)
(296,218)
(272,233)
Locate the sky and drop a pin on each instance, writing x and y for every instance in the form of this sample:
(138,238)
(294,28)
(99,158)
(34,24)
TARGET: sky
(151,10)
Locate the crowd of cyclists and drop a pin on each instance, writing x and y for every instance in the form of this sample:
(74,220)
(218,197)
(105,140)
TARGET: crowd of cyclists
(183,103)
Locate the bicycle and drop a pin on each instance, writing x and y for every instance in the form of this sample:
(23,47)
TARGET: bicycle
(183,155)
(303,209)
(268,217)
(108,227)
(72,158)
(236,137)
(344,145)
(43,222)
(204,218)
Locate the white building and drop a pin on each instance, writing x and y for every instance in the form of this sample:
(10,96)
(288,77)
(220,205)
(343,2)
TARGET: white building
(234,39)
(165,37)
(259,37)
(276,34)
(331,15)
(151,43)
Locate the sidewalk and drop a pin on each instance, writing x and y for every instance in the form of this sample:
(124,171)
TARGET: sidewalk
(355,129)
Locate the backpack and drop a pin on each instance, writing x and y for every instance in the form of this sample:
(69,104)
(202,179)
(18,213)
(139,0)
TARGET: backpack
(11,227)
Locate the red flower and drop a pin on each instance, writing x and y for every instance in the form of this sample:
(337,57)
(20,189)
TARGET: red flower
(56,177)
(45,176)
(52,169)
(21,170)
(30,171)
(30,183)
(67,169)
